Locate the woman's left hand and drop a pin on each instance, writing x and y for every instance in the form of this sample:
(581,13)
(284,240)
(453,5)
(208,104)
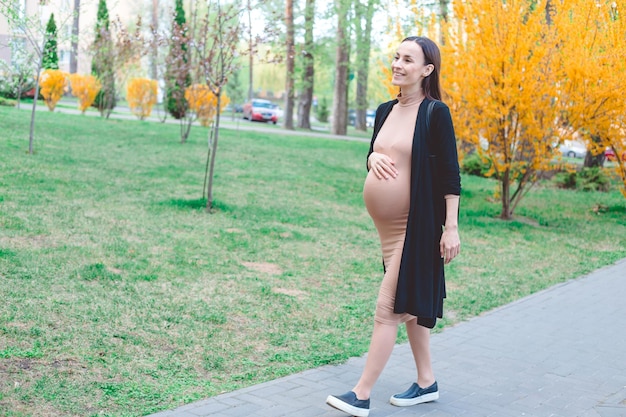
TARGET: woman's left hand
(450,244)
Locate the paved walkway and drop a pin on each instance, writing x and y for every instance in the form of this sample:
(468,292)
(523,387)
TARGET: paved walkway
(560,353)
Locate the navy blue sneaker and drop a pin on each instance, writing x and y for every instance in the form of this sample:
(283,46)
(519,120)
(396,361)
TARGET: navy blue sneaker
(415,395)
(348,403)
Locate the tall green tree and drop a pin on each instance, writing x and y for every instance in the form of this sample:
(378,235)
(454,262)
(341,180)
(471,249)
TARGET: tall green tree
(177,73)
(342,67)
(102,65)
(306,95)
(363,31)
(291,59)
(75,32)
(50,50)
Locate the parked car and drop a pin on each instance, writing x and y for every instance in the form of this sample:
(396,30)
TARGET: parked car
(609,154)
(279,112)
(370,116)
(260,110)
(573,149)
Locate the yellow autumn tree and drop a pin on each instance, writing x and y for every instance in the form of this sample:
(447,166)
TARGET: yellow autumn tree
(500,75)
(84,88)
(141,94)
(52,83)
(594,62)
(203,102)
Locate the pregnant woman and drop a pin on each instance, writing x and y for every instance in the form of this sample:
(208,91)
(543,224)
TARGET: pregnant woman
(412,194)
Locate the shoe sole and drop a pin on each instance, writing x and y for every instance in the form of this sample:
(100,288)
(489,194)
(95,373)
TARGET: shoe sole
(406,402)
(346,408)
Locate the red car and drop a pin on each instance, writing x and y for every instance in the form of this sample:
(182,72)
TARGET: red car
(609,154)
(260,110)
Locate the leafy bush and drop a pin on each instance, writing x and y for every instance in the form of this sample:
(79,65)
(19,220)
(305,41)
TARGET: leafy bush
(53,83)
(587,179)
(141,95)
(7,102)
(474,164)
(594,179)
(566,179)
(322,111)
(85,88)
(203,102)
(17,77)
(13,84)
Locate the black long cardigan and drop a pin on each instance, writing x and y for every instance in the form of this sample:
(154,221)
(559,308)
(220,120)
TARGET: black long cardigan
(434,174)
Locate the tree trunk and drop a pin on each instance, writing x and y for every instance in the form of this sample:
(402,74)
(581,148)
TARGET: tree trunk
(342,57)
(213,150)
(154,54)
(595,160)
(364,41)
(443,18)
(75,34)
(550,10)
(306,96)
(506,197)
(250,54)
(289,83)
(31,137)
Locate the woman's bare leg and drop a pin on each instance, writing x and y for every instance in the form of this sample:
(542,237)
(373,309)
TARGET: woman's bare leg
(419,339)
(381,346)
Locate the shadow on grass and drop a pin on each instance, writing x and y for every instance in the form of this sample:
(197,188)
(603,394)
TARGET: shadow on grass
(196,204)
(612,209)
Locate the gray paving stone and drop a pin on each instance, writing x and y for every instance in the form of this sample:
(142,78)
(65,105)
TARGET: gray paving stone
(558,353)
(611,411)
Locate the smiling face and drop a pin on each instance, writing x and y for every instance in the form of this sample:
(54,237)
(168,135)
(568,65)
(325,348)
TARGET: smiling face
(408,67)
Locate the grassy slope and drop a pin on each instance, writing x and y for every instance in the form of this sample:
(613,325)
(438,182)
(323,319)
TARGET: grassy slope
(121,296)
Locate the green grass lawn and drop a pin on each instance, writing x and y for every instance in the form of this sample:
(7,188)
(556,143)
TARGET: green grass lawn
(121,296)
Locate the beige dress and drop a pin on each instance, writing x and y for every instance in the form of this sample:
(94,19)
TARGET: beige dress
(388,200)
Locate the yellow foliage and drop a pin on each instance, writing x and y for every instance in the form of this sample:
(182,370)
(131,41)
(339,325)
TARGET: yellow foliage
(141,94)
(52,83)
(520,80)
(392,90)
(85,88)
(594,62)
(500,74)
(203,102)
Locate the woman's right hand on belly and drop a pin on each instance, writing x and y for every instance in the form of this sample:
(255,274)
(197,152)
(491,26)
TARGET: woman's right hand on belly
(382,166)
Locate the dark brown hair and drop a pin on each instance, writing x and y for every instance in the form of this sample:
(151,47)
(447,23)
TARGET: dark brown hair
(430,84)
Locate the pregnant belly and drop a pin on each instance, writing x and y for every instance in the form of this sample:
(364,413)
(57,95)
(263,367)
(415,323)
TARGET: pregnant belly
(386,200)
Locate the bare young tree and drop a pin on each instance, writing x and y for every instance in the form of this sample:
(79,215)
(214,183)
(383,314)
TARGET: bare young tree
(216,49)
(30,29)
